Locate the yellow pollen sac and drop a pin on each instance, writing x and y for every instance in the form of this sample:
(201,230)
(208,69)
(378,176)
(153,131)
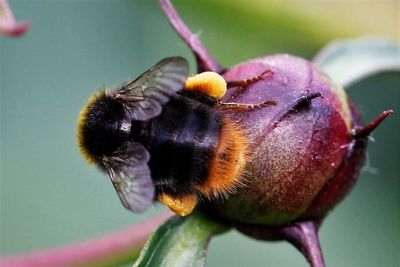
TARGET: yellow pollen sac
(209,83)
(182,206)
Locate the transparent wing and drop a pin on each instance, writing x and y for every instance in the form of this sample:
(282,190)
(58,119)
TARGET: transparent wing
(131,177)
(143,98)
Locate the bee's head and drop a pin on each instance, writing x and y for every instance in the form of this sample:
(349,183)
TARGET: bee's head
(102,127)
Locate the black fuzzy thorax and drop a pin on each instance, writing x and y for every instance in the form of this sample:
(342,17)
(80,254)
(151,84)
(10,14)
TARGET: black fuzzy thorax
(101,131)
(182,142)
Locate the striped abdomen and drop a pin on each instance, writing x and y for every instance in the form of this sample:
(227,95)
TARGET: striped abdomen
(195,150)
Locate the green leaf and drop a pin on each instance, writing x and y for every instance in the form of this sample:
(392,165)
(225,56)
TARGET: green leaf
(347,62)
(180,242)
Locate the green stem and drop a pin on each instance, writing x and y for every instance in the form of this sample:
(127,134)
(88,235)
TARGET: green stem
(180,242)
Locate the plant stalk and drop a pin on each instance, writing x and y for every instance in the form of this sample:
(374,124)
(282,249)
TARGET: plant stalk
(205,61)
(111,249)
(304,236)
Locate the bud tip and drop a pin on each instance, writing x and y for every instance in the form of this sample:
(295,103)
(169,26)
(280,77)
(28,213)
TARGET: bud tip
(366,130)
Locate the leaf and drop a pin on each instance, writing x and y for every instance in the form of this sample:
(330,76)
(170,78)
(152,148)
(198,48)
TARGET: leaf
(180,242)
(350,61)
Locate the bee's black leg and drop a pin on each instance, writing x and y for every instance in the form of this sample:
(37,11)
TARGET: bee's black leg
(245,82)
(240,106)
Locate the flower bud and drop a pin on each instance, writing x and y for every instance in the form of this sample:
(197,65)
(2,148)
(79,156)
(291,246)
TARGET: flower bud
(304,157)
(305,152)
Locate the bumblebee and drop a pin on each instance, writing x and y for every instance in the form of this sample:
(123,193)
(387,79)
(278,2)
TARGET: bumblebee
(167,137)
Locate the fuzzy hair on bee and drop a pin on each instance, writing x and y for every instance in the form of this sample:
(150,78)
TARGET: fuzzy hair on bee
(166,136)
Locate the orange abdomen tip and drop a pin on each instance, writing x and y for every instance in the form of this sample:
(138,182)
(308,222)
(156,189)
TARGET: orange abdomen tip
(209,83)
(227,169)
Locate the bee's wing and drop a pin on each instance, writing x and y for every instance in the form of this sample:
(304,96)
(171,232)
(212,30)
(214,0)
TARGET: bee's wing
(131,177)
(143,98)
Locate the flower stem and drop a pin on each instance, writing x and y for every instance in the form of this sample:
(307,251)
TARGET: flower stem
(115,248)
(205,61)
(180,242)
(304,236)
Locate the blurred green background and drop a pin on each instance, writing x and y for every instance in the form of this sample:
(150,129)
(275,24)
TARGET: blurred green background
(50,197)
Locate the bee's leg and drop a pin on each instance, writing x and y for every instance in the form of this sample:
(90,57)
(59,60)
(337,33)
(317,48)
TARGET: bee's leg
(182,206)
(245,82)
(240,106)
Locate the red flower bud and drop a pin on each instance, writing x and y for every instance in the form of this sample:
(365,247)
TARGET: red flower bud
(306,151)
(304,158)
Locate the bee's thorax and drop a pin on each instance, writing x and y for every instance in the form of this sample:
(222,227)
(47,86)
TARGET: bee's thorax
(103,127)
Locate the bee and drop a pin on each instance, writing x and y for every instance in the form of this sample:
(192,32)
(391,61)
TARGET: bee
(166,136)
